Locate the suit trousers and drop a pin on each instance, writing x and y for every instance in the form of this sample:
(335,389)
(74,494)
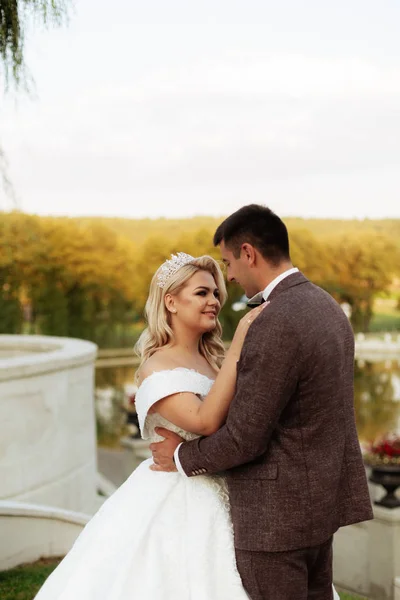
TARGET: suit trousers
(304,574)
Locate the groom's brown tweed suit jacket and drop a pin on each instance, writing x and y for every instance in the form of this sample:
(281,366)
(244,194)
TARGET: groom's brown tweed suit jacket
(290,445)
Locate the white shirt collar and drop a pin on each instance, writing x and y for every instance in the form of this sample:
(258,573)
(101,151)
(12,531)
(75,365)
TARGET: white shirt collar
(277,280)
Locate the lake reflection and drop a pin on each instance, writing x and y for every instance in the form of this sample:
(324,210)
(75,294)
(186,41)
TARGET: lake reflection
(112,386)
(376,398)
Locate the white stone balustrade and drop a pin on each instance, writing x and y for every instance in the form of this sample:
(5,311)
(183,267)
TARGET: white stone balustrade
(32,531)
(47,422)
(367,556)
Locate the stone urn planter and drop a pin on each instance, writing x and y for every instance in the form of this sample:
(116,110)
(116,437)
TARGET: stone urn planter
(383,458)
(387,476)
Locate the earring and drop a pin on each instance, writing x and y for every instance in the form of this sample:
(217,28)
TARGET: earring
(174,311)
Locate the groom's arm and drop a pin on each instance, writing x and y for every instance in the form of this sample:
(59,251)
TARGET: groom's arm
(267,378)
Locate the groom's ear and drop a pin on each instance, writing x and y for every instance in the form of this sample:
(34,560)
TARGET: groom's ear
(249,254)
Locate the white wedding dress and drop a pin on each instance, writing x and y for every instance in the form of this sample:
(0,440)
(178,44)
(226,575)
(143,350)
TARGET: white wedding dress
(160,536)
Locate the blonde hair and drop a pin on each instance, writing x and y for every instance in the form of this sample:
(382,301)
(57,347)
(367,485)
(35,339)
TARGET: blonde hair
(159,334)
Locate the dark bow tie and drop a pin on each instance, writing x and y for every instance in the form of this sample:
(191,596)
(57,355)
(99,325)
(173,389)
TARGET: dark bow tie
(256,300)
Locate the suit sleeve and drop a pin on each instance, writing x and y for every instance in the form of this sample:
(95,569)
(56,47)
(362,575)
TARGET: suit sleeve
(267,378)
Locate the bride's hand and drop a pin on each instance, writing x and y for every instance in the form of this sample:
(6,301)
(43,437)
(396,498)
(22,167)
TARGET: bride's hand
(251,316)
(244,324)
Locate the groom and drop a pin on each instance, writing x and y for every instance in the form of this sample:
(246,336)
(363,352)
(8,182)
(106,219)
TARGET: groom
(289,445)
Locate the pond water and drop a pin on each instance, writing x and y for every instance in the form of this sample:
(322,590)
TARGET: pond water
(376,398)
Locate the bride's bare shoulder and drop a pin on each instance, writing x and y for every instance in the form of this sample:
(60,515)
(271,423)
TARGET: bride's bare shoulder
(161,360)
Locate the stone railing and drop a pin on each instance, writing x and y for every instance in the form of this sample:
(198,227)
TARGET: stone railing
(373,346)
(47,422)
(367,556)
(32,531)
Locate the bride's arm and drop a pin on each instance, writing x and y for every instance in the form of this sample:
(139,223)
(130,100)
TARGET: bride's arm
(205,417)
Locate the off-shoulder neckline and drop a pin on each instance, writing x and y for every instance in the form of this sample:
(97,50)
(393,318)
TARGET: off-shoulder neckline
(176,369)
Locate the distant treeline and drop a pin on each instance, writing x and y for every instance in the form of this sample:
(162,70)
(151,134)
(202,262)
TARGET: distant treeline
(139,230)
(89,277)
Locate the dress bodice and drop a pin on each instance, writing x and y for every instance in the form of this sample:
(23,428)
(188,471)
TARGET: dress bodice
(154,420)
(160,384)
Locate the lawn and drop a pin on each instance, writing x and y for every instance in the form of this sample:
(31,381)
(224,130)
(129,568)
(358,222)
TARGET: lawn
(22,583)
(386,315)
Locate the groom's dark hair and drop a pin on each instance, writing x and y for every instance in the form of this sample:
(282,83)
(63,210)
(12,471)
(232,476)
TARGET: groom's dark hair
(259,226)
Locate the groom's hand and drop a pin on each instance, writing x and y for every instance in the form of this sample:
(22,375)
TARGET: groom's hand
(163,452)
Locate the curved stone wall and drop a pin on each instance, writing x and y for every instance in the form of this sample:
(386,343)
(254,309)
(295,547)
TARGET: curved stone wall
(33,532)
(47,422)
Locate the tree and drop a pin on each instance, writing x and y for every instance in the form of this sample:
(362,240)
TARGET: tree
(15,17)
(311,256)
(364,266)
(6,181)
(20,249)
(85,278)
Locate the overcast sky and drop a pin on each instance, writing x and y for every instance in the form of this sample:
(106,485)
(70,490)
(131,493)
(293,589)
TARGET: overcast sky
(179,108)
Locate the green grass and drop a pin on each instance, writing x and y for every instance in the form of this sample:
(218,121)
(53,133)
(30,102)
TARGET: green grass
(386,315)
(385,322)
(23,583)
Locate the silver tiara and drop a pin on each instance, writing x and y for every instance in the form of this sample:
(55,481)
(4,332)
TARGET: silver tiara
(171,266)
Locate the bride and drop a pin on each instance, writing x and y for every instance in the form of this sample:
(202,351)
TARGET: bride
(160,535)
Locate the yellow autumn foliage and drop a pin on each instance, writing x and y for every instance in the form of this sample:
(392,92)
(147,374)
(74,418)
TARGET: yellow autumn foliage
(87,277)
